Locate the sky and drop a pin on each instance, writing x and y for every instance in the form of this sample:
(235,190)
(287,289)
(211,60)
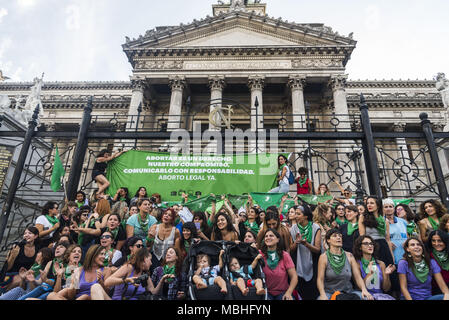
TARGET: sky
(81,40)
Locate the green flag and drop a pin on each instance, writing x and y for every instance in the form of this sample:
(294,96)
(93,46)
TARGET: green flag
(58,172)
(238,201)
(403,201)
(218,207)
(200,204)
(265,200)
(287,205)
(311,199)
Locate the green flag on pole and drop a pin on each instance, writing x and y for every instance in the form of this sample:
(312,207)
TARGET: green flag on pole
(265,200)
(200,204)
(58,172)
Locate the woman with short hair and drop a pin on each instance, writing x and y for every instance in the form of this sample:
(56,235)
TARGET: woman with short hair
(139,224)
(336,268)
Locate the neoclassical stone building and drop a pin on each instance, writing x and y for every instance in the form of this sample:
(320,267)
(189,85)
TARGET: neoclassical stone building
(241,54)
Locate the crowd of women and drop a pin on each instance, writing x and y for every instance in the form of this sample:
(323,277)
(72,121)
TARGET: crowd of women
(118,247)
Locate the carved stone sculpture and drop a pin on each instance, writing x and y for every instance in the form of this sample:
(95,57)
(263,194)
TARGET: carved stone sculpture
(442,86)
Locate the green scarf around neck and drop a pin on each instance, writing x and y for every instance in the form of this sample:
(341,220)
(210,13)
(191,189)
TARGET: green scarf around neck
(252,225)
(381,225)
(339,222)
(337,261)
(421,271)
(435,224)
(365,264)
(113,232)
(302,182)
(411,228)
(144,225)
(352,227)
(36,268)
(52,220)
(306,231)
(442,258)
(272,259)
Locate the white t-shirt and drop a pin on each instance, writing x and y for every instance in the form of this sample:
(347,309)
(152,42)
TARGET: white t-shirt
(287,175)
(47,225)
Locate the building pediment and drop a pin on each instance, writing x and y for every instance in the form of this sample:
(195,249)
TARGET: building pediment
(238,29)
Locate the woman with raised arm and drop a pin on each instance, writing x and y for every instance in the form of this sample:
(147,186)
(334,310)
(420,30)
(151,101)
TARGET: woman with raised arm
(99,169)
(336,268)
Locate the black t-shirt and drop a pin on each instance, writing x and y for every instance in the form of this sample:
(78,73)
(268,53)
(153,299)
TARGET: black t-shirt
(100,166)
(121,235)
(348,241)
(22,260)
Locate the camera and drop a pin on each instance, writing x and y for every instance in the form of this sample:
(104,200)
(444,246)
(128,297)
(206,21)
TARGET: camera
(142,279)
(153,199)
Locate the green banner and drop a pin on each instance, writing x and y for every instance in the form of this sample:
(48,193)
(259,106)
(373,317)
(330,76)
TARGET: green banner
(311,199)
(265,200)
(171,175)
(403,201)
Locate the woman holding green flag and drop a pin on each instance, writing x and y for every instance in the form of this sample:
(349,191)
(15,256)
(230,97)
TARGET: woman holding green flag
(336,269)
(307,243)
(416,271)
(431,212)
(373,224)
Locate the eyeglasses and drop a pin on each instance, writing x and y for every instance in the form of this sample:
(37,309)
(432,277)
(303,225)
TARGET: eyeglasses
(138,246)
(368,244)
(85,214)
(399,209)
(106,237)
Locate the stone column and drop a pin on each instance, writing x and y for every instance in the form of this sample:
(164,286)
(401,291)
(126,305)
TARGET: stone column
(338,85)
(402,164)
(216,85)
(177,85)
(138,88)
(256,85)
(297,84)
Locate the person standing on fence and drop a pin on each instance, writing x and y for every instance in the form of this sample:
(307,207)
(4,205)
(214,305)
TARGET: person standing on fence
(99,169)
(283,175)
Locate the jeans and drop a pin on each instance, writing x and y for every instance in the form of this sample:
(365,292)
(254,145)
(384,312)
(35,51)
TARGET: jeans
(283,188)
(278,297)
(437,297)
(40,292)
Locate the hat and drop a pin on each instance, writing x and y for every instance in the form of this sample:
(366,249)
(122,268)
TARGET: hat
(242,210)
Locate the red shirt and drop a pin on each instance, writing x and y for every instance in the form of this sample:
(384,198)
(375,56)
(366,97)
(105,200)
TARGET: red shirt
(277,279)
(302,189)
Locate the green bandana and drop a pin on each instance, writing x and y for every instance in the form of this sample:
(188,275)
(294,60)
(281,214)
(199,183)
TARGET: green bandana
(306,231)
(442,258)
(435,225)
(352,227)
(169,270)
(421,271)
(36,268)
(52,220)
(339,222)
(253,226)
(365,264)
(302,181)
(272,259)
(337,261)
(411,228)
(144,225)
(381,226)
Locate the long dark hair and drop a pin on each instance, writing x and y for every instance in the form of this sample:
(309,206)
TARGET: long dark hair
(216,231)
(280,246)
(410,215)
(138,190)
(444,237)
(179,261)
(137,259)
(102,153)
(49,205)
(369,219)
(439,208)
(193,233)
(285,158)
